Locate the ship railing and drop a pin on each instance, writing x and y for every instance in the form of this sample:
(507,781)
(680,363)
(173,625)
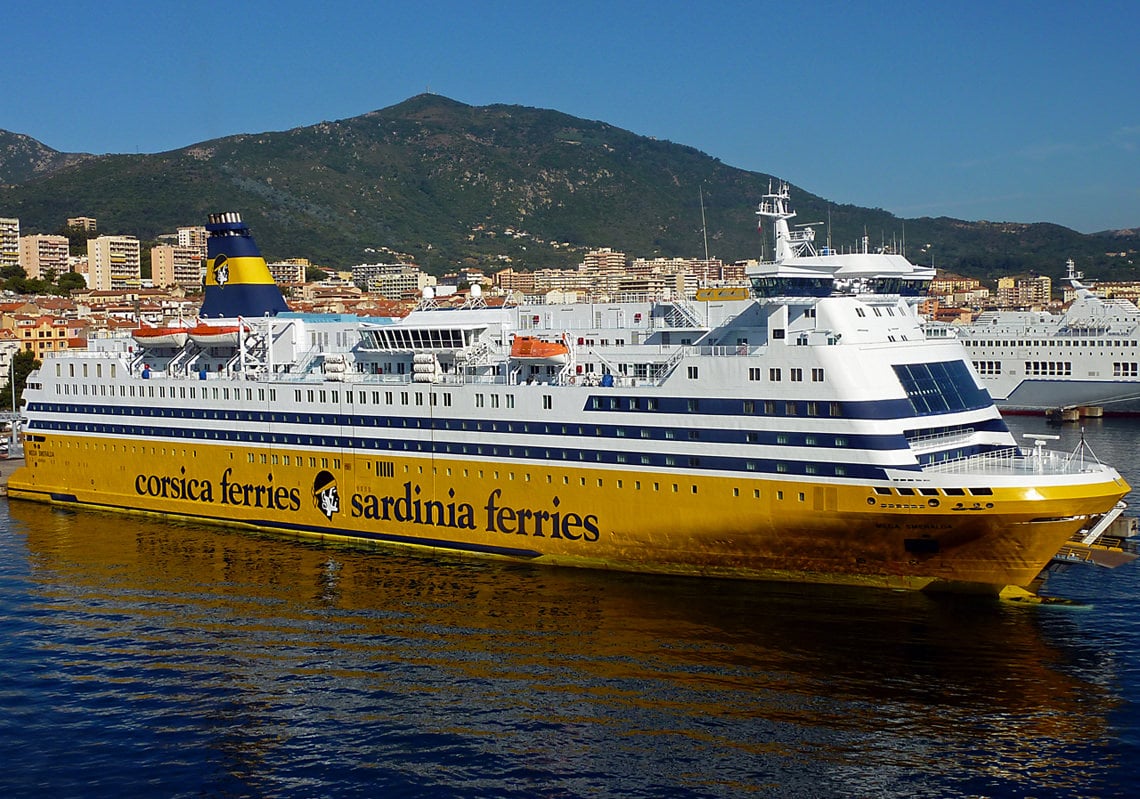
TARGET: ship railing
(940,440)
(1012,460)
(305,362)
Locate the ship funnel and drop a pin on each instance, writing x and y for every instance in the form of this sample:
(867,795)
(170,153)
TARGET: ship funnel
(238,282)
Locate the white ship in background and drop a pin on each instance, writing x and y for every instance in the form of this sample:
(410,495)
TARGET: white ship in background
(1040,361)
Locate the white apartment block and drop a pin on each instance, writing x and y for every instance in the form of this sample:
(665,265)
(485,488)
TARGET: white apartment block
(9,242)
(114,263)
(193,237)
(288,271)
(40,254)
(176,266)
(391,281)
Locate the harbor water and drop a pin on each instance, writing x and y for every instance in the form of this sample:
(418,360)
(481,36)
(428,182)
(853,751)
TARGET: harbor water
(144,658)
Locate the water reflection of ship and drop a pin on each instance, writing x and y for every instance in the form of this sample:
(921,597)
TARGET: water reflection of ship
(836,659)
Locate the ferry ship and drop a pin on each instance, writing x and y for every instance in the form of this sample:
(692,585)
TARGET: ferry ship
(1036,360)
(804,429)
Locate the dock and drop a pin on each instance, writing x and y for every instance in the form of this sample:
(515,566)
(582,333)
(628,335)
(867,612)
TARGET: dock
(7,466)
(1075,414)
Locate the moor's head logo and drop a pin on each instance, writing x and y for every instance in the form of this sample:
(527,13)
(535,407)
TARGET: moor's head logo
(325,495)
(221,270)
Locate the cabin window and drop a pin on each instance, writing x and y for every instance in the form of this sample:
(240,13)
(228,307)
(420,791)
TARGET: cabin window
(817,375)
(774,375)
(796,374)
(693,372)
(547,402)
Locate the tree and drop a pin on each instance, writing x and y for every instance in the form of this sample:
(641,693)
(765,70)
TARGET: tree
(70,281)
(23,364)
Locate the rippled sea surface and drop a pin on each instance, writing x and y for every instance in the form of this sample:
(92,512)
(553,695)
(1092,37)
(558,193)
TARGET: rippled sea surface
(142,658)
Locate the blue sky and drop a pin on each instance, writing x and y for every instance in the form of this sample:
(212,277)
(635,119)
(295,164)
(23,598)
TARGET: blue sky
(1005,111)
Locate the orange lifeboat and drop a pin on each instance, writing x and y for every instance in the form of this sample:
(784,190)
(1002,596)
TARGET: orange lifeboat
(537,350)
(160,336)
(215,335)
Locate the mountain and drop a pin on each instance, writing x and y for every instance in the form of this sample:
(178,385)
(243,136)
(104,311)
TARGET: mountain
(22,158)
(451,184)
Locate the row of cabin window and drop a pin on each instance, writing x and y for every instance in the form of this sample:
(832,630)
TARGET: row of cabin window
(71,370)
(190,392)
(1069,343)
(275,459)
(795,374)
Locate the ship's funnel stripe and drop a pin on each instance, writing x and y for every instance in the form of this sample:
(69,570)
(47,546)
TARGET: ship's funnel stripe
(232,247)
(244,300)
(240,272)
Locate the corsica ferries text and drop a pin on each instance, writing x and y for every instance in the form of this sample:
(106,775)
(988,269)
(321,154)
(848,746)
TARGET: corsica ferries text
(248,495)
(408,507)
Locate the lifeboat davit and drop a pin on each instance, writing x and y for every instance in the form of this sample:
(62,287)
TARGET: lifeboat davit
(215,335)
(161,336)
(537,350)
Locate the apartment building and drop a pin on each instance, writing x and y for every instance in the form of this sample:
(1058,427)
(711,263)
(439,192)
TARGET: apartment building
(1024,292)
(291,270)
(41,254)
(176,266)
(114,263)
(193,237)
(86,223)
(9,242)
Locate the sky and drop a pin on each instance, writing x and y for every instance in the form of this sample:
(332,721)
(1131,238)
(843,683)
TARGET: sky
(1000,110)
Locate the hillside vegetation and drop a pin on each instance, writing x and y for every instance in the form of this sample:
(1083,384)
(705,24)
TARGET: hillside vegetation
(451,184)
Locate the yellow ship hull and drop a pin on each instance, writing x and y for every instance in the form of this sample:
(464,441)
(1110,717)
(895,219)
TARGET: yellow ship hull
(566,515)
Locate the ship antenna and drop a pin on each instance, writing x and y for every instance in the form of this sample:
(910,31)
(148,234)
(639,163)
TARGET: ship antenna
(704,228)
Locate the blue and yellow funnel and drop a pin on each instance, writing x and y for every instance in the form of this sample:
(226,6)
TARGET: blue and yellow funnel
(238,282)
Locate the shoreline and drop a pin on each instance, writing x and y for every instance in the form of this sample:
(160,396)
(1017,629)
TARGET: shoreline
(7,467)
